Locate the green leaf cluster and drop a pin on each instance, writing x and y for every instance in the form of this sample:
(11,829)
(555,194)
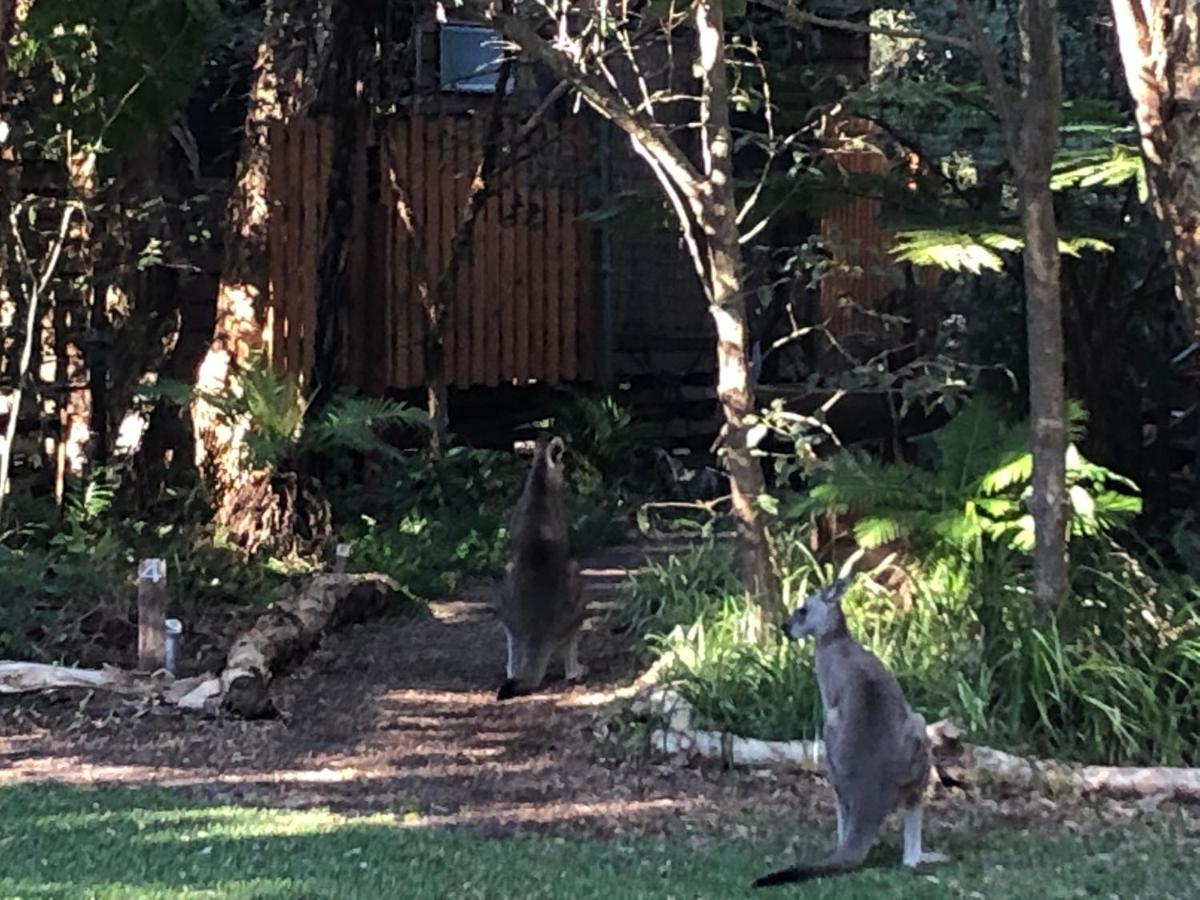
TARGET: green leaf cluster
(971,490)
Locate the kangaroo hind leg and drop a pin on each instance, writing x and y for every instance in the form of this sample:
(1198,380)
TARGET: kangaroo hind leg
(914,857)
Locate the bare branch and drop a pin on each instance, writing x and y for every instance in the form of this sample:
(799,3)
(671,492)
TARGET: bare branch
(997,84)
(599,95)
(37,287)
(797,18)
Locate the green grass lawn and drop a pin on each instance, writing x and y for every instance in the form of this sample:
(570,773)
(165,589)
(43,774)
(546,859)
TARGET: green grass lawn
(66,842)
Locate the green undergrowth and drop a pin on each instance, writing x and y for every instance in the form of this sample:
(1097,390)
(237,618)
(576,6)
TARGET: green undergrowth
(1115,677)
(62,842)
(69,572)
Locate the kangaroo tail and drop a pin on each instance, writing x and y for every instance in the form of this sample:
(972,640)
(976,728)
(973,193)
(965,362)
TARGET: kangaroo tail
(795,874)
(845,859)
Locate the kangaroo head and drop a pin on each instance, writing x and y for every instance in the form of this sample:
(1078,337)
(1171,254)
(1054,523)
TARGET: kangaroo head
(820,613)
(549,459)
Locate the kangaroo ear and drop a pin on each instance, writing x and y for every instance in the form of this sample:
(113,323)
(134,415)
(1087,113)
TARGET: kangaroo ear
(835,592)
(556,449)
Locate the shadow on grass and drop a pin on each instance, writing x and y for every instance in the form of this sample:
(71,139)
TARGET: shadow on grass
(59,841)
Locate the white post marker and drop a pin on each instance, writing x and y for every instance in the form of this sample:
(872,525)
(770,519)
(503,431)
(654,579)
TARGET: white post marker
(172,633)
(341,558)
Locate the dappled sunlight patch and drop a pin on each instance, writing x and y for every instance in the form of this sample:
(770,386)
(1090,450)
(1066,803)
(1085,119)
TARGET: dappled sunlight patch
(244,823)
(550,812)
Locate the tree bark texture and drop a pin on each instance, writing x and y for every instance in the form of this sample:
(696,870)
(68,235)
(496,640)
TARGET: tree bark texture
(1034,143)
(283,84)
(728,307)
(1160,52)
(290,628)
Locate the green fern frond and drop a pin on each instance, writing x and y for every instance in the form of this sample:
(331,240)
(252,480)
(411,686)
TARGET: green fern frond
(875,531)
(351,423)
(1109,166)
(1008,475)
(957,250)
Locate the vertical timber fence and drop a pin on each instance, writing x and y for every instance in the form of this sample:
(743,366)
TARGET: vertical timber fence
(521,308)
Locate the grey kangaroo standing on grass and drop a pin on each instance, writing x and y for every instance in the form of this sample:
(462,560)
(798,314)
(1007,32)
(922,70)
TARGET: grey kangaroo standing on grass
(876,750)
(541,602)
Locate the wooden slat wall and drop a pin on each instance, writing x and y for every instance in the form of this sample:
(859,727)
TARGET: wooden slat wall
(855,228)
(298,187)
(521,308)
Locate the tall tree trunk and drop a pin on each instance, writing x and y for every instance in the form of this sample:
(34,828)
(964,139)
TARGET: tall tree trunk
(282,85)
(1031,127)
(1035,142)
(340,100)
(728,308)
(1160,52)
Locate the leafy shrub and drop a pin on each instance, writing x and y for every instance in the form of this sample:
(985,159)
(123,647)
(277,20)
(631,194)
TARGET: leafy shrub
(971,489)
(69,572)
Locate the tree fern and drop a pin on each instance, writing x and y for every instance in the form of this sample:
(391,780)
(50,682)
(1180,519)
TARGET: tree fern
(971,489)
(350,422)
(278,422)
(962,250)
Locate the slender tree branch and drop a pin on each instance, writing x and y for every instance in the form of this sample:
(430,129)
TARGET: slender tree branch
(37,286)
(992,72)
(798,18)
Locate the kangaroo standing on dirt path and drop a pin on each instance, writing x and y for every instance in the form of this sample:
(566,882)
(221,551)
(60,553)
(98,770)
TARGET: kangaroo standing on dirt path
(876,750)
(541,602)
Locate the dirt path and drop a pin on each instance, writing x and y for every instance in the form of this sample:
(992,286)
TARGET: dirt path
(399,716)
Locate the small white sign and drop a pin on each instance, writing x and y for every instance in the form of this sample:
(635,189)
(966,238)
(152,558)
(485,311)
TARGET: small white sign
(343,550)
(154,570)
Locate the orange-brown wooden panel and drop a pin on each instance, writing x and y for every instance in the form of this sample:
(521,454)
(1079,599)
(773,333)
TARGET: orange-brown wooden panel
(507,293)
(570,283)
(460,161)
(521,260)
(358,287)
(461,140)
(551,367)
(473,272)
(481,334)
(490,250)
(400,251)
(433,203)
(586,311)
(418,162)
(538,250)
(583,252)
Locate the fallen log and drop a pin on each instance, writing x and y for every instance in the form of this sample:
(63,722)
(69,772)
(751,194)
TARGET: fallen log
(24,677)
(20,677)
(955,761)
(291,627)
